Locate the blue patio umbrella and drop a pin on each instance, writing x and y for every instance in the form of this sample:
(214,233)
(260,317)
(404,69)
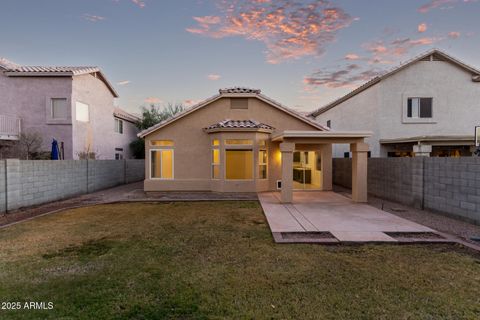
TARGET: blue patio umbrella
(55,153)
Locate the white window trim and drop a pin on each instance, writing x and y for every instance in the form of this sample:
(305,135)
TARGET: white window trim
(407,120)
(263,164)
(173,163)
(215,164)
(48,111)
(117,120)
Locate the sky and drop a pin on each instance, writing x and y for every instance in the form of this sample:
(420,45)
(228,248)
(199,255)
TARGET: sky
(303,54)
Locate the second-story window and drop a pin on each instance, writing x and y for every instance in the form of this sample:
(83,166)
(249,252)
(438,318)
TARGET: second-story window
(82,113)
(118,126)
(59,108)
(419,108)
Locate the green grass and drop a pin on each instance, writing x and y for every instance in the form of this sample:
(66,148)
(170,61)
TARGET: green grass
(218,261)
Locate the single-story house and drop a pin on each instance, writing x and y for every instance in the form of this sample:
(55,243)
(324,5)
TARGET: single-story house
(240,140)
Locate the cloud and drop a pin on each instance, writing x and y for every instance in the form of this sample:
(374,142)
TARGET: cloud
(441,4)
(289,29)
(454,34)
(352,56)
(422,27)
(123,83)
(344,77)
(153,100)
(213,77)
(382,52)
(92,18)
(191,102)
(139,3)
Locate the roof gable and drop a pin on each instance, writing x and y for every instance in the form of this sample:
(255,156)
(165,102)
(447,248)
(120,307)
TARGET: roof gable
(432,55)
(233,93)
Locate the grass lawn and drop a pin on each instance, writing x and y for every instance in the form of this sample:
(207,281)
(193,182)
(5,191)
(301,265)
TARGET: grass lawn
(218,261)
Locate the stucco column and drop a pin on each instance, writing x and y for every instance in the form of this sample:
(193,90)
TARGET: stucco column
(422,150)
(326,158)
(359,171)
(287,148)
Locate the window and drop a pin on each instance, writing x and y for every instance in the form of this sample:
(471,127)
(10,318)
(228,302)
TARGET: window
(346,154)
(118,153)
(59,108)
(329,123)
(82,112)
(118,126)
(419,108)
(239,164)
(215,163)
(215,142)
(239,103)
(161,163)
(262,164)
(162,143)
(239,141)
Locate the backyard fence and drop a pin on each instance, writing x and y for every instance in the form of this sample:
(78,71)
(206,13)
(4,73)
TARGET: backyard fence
(26,183)
(445,185)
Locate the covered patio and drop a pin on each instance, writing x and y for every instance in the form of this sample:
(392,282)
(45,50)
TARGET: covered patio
(322,141)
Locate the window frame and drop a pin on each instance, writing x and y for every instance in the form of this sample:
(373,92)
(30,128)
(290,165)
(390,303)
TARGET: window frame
(215,147)
(119,126)
(412,120)
(76,111)
(173,163)
(52,117)
(265,164)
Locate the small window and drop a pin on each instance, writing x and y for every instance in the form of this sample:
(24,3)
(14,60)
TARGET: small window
(215,163)
(346,154)
(118,126)
(161,163)
(329,123)
(419,108)
(118,156)
(162,143)
(239,142)
(262,164)
(215,142)
(239,103)
(59,108)
(82,112)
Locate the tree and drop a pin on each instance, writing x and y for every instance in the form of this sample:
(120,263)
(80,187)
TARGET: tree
(150,117)
(29,144)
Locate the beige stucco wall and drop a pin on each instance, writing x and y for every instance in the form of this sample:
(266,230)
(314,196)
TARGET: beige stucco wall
(192,150)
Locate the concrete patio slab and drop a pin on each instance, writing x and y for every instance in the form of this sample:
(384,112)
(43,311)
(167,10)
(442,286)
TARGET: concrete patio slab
(327,211)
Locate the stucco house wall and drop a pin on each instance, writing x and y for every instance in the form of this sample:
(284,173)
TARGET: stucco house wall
(29,99)
(192,147)
(381,108)
(357,113)
(123,140)
(97,134)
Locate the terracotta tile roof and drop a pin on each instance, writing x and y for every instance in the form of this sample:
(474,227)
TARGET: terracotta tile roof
(239,90)
(54,69)
(239,124)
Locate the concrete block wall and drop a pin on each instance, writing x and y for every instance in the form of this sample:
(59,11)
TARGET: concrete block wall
(446,185)
(453,185)
(35,182)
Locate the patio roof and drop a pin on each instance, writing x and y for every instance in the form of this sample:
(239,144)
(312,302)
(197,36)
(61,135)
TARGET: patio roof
(314,135)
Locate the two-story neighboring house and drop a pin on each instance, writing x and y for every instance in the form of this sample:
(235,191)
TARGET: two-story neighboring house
(74,105)
(428,106)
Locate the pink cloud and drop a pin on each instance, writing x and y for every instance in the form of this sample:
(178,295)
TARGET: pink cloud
(422,27)
(123,83)
(433,4)
(345,77)
(153,100)
(289,30)
(191,102)
(454,34)
(139,3)
(93,18)
(352,56)
(213,77)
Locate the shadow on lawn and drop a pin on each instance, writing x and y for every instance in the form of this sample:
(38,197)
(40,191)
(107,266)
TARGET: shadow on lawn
(86,250)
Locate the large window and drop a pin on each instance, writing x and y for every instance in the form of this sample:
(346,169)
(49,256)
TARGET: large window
(239,164)
(419,108)
(81,112)
(59,108)
(215,159)
(161,160)
(118,126)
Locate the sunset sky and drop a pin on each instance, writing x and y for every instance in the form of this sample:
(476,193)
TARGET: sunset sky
(301,53)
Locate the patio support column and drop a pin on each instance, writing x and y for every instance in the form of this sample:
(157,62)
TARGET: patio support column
(287,148)
(359,171)
(326,158)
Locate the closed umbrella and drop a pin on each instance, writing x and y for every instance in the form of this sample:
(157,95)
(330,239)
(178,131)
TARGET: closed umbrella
(55,150)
